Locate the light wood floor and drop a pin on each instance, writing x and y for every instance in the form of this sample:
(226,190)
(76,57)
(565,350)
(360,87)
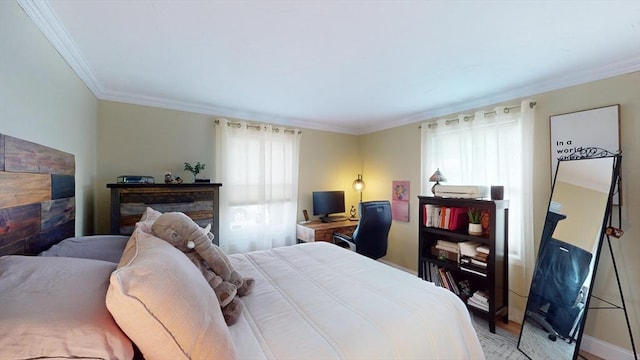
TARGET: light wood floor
(514,328)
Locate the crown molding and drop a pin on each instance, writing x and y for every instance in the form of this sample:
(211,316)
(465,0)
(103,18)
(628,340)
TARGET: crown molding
(217,111)
(46,20)
(530,90)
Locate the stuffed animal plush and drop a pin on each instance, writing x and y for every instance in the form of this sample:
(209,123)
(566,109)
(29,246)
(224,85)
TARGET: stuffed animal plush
(187,236)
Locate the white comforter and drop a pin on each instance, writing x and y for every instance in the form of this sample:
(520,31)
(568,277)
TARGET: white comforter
(320,301)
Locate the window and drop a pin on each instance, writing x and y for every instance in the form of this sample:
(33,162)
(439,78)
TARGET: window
(258,169)
(490,148)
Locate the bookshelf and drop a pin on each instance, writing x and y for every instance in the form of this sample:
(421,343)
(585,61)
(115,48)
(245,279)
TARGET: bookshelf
(480,264)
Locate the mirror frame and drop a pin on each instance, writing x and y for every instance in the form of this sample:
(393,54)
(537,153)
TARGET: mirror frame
(585,154)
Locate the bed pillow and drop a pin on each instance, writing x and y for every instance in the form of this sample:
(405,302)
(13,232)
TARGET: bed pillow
(53,307)
(98,247)
(147,219)
(163,303)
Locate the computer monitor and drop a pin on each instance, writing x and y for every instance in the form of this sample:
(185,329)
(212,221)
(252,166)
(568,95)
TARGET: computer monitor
(326,203)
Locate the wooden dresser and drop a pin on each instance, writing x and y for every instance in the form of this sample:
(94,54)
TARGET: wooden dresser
(319,231)
(200,201)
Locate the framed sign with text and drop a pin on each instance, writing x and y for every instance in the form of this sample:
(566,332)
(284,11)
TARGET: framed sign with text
(585,134)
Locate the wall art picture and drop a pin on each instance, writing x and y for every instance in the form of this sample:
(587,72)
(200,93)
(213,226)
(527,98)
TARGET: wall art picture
(400,200)
(587,133)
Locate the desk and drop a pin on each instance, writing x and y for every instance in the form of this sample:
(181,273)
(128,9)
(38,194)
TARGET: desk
(319,231)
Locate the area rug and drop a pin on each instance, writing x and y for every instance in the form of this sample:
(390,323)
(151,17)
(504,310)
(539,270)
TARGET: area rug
(501,345)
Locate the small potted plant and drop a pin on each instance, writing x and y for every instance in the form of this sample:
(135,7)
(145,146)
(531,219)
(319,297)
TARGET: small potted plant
(475,227)
(195,170)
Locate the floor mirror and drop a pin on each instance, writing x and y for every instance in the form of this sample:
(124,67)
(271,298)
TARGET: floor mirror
(567,258)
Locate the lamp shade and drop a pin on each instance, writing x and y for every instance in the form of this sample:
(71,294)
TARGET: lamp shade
(359,185)
(437,176)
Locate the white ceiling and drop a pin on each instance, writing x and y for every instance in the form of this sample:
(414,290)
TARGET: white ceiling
(345,66)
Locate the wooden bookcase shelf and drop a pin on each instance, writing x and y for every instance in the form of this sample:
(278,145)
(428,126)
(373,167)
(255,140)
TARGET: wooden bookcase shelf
(496,281)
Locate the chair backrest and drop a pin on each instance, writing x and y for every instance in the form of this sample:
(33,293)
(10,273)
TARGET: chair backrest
(371,234)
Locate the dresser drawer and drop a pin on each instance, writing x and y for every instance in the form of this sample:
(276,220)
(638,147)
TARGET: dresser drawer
(130,201)
(324,235)
(317,231)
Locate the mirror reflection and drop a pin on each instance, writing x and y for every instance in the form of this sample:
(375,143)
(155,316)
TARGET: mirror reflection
(568,250)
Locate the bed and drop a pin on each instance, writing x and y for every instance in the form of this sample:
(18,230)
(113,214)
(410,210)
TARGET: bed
(118,297)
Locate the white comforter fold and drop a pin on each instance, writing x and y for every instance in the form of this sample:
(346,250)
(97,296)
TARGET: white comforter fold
(320,301)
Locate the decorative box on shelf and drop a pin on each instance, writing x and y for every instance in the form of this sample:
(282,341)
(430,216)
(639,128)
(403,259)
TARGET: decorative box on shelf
(461,192)
(442,254)
(135,179)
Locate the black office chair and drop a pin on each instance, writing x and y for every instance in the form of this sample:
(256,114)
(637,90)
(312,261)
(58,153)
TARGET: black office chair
(370,236)
(557,289)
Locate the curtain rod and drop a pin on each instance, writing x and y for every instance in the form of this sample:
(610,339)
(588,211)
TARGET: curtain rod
(471,117)
(259,127)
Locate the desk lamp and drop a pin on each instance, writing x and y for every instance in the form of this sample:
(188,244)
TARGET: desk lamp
(437,177)
(359,185)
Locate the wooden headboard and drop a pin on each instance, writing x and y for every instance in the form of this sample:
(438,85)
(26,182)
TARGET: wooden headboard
(37,196)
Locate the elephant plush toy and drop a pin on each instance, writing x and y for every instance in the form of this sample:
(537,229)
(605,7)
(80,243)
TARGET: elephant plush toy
(183,233)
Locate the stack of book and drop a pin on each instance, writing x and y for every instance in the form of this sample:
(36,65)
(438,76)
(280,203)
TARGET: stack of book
(447,281)
(445,217)
(443,278)
(473,257)
(445,250)
(434,274)
(480,300)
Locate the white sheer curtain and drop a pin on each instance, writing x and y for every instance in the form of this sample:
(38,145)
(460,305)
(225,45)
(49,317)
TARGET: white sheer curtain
(258,168)
(491,148)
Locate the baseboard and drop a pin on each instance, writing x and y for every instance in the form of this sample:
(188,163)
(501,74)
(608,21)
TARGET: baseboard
(398,267)
(604,350)
(589,344)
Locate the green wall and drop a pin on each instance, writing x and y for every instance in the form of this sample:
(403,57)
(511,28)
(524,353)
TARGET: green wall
(42,100)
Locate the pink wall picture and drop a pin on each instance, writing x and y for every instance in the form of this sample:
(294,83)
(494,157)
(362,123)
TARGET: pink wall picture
(400,200)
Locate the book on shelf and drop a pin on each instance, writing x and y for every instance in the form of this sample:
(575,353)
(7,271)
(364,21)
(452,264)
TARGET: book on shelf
(466,260)
(434,274)
(473,270)
(475,303)
(481,295)
(478,263)
(444,279)
(468,248)
(445,250)
(458,218)
(445,217)
(469,265)
(447,281)
(431,214)
(447,245)
(481,257)
(474,252)
(470,259)
(480,300)
(452,283)
(481,264)
(444,253)
(484,249)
